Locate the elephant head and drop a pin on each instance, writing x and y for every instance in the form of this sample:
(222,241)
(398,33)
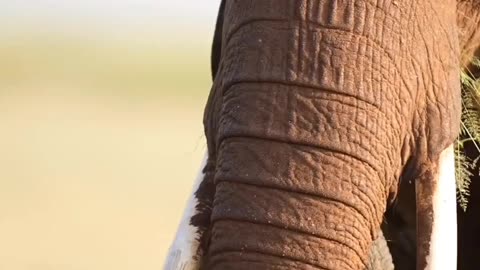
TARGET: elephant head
(318,111)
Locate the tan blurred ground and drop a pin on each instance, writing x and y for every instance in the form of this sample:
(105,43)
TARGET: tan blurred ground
(100,142)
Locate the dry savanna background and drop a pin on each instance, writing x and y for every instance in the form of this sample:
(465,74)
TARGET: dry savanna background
(101,107)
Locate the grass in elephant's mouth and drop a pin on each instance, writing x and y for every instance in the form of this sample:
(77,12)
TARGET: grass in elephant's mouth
(470,133)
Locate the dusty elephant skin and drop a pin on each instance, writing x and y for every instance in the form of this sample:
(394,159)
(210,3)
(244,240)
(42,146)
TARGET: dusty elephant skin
(318,109)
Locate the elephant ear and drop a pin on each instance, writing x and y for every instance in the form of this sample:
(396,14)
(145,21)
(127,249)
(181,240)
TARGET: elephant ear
(217,41)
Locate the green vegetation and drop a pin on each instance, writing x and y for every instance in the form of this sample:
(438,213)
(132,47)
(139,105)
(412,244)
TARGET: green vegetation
(470,132)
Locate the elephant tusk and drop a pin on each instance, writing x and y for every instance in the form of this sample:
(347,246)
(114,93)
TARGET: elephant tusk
(182,252)
(436,216)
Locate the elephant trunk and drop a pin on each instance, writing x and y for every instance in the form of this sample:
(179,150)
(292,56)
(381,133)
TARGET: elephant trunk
(300,137)
(300,143)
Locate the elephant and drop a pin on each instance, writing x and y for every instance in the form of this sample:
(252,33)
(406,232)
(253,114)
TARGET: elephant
(330,127)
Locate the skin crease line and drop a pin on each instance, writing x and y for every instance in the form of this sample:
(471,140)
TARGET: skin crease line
(183,250)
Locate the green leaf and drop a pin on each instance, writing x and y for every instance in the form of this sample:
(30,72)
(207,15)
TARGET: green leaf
(470,132)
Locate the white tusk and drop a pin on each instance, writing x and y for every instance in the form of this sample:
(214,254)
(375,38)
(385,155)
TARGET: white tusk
(182,252)
(441,253)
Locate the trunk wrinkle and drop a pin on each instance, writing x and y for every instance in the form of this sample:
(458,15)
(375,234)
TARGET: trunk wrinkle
(290,229)
(312,195)
(225,139)
(320,89)
(317,266)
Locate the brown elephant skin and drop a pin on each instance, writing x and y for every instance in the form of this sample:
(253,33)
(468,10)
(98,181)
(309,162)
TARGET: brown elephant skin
(319,111)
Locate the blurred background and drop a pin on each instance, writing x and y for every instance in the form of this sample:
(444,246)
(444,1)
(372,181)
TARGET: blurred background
(101,131)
